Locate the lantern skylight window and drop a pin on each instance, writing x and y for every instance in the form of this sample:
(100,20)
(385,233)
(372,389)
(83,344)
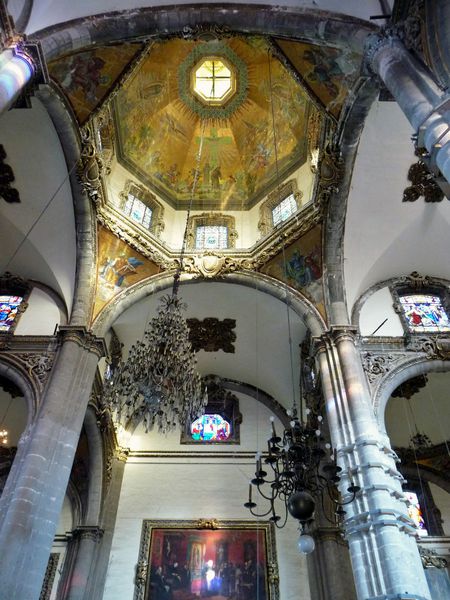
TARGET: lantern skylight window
(213,81)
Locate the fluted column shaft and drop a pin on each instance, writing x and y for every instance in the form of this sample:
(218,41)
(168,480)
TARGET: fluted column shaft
(385,559)
(425,104)
(30,511)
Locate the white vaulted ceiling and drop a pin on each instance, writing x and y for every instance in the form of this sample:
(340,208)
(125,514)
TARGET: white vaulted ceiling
(261,355)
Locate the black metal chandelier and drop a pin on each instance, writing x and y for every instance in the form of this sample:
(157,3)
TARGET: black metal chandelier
(297,471)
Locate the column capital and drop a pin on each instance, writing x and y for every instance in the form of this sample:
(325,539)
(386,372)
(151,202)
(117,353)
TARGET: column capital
(83,338)
(388,37)
(88,532)
(336,334)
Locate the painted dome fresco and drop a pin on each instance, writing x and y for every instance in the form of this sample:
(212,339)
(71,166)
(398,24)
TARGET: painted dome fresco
(219,121)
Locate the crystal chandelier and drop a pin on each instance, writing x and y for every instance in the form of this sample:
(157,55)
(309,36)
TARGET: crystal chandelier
(158,383)
(301,471)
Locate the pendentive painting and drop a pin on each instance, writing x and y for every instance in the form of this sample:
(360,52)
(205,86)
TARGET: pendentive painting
(189,560)
(300,266)
(118,267)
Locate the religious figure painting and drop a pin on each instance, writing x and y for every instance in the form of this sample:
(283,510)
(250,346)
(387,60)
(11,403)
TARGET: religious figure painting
(224,157)
(190,560)
(118,267)
(86,77)
(300,266)
(330,73)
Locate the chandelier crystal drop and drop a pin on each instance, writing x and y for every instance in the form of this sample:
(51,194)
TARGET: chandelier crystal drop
(158,383)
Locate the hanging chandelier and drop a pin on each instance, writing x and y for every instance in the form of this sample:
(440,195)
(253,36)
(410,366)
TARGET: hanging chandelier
(297,471)
(158,383)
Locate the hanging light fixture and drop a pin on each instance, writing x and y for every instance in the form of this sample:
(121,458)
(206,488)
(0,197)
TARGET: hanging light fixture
(297,469)
(159,383)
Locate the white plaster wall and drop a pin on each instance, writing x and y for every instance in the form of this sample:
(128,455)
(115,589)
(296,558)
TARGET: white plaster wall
(41,316)
(379,307)
(442,501)
(193,488)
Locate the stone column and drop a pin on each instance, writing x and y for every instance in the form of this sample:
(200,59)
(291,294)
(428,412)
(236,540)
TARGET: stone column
(88,541)
(42,467)
(425,104)
(16,70)
(383,550)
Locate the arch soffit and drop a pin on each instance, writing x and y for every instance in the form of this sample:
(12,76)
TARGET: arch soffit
(260,282)
(413,365)
(311,25)
(16,372)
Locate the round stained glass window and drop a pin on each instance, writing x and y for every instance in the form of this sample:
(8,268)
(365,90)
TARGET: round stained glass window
(210,428)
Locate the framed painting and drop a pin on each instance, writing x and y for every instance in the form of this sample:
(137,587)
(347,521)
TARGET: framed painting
(219,560)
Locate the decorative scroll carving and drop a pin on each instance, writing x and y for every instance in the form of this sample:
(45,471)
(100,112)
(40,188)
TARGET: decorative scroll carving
(331,171)
(205,32)
(207,524)
(212,335)
(410,387)
(431,559)
(423,185)
(8,193)
(91,167)
(433,347)
(49,577)
(38,365)
(376,365)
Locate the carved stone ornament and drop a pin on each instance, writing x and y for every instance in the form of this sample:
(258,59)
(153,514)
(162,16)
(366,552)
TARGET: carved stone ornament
(205,32)
(431,559)
(422,185)
(49,577)
(212,264)
(38,365)
(90,168)
(8,193)
(212,335)
(434,347)
(331,171)
(376,365)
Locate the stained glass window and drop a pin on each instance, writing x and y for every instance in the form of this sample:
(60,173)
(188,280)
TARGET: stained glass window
(210,428)
(138,211)
(9,306)
(425,312)
(284,209)
(213,80)
(415,513)
(211,236)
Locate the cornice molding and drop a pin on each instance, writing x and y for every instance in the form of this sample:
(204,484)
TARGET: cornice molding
(83,338)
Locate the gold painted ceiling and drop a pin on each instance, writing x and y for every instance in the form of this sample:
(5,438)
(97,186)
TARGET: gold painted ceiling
(224,157)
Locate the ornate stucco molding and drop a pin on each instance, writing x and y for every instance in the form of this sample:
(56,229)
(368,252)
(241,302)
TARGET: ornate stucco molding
(83,338)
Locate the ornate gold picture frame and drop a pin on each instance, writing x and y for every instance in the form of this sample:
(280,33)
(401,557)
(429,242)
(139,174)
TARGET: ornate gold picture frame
(189,560)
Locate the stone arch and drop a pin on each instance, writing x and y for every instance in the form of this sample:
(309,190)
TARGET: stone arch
(14,370)
(263,283)
(412,367)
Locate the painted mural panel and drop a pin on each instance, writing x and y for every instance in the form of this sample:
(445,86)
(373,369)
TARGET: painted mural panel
(302,268)
(329,73)
(87,77)
(118,267)
(222,156)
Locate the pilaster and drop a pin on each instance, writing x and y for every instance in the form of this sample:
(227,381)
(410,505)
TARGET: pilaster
(29,510)
(381,537)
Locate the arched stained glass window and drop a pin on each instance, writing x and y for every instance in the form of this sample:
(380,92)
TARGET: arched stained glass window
(424,313)
(415,513)
(9,307)
(210,428)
